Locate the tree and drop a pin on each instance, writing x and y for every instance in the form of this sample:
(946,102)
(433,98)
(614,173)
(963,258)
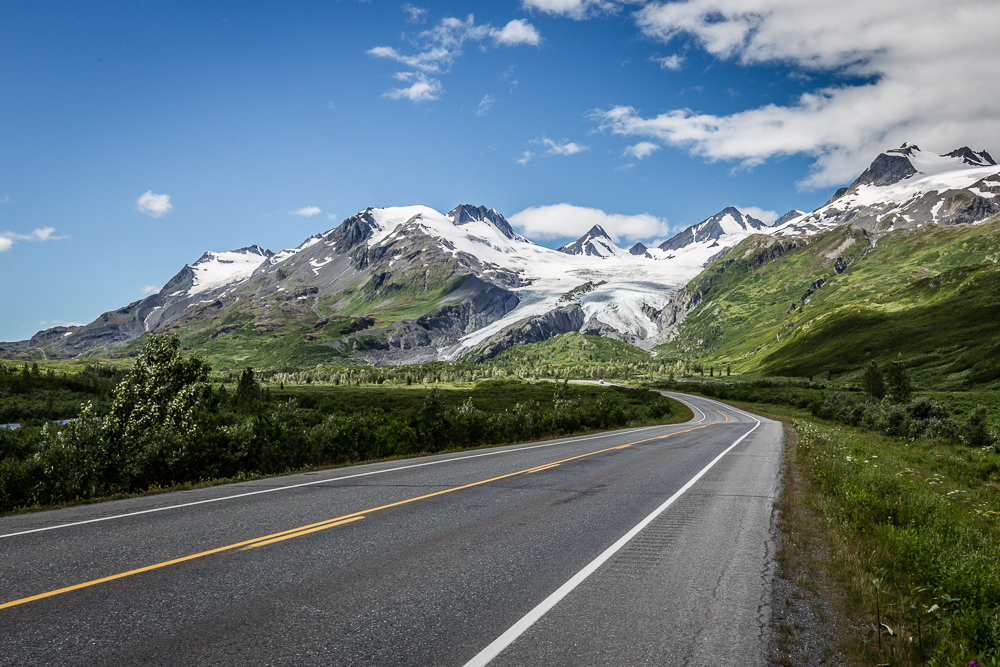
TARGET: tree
(159,393)
(248,388)
(872,381)
(976,431)
(897,382)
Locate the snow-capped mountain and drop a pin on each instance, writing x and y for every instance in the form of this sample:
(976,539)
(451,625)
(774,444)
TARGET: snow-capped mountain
(595,243)
(907,187)
(407,284)
(730,222)
(218,269)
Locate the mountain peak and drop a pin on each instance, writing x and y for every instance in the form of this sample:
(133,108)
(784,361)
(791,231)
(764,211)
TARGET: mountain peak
(729,220)
(888,168)
(971,157)
(463,214)
(595,243)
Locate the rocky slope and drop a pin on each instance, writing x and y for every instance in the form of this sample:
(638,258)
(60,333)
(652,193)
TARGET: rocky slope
(407,284)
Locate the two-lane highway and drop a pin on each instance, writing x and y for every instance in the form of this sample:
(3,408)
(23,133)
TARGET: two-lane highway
(643,546)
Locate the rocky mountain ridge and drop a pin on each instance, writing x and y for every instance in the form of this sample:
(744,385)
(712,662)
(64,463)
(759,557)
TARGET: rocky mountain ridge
(407,284)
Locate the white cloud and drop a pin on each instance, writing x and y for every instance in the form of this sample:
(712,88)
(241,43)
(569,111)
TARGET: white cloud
(438,47)
(153,204)
(423,88)
(567,148)
(525,158)
(308,211)
(415,14)
(8,238)
(150,289)
(641,150)
(673,62)
(574,9)
(517,32)
(485,105)
(767,217)
(927,66)
(568,221)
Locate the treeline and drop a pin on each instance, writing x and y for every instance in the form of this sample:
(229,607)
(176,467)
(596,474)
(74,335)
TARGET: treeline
(27,392)
(882,403)
(166,424)
(447,372)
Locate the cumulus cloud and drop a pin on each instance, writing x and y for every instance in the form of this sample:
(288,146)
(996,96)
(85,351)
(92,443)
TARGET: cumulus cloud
(517,32)
(673,62)
(308,211)
(574,9)
(526,157)
(423,88)
(765,216)
(438,47)
(641,150)
(925,68)
(8,238)
(150,289)
(569,221)
(153,204)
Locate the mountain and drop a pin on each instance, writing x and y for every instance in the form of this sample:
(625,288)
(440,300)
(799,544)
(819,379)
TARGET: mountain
(730,222)
(595,243)
(907,187)
(410,284)
(831,302)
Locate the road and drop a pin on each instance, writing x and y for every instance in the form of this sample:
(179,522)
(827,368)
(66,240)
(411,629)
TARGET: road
(634,547)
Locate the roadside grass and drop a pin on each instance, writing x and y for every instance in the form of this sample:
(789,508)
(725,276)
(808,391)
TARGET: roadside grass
(902,536)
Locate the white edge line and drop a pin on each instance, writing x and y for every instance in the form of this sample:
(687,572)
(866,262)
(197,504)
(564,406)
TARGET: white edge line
(326,480)
(485,656)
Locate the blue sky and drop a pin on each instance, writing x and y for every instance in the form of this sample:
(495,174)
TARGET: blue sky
(135,136)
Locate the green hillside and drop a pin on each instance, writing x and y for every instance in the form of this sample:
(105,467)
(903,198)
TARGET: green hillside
(930,296)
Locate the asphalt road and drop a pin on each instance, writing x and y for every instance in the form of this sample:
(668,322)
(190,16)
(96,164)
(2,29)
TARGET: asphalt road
(636,547)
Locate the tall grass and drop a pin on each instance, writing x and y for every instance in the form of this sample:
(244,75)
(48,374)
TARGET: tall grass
(920,525)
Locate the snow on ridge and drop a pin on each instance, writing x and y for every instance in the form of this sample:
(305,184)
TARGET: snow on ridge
(217,269)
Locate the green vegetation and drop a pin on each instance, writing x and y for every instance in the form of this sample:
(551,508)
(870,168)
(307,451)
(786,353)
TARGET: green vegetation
(916,530)
(929,298)
(28,392)
(164,423)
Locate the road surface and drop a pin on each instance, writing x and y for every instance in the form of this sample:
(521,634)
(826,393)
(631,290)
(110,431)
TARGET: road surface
(637,547)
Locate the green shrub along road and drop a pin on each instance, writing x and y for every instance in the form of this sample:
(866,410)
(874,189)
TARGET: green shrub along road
(165,424)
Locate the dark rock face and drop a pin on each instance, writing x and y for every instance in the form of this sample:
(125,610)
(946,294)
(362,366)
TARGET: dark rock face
(353,231)
(416,341)
(791,215)
(466,213)
(533,330)
(969,156)
(885,170)
(638,249)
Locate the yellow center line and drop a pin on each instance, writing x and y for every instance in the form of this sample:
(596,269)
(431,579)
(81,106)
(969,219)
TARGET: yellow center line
(724,415)
(301,532)
(328,523)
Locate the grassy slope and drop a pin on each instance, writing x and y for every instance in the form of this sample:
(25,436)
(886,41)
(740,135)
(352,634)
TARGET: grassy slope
(571,349)
(929,294)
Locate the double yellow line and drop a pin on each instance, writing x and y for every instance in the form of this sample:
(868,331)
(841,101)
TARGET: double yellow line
(329,523)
